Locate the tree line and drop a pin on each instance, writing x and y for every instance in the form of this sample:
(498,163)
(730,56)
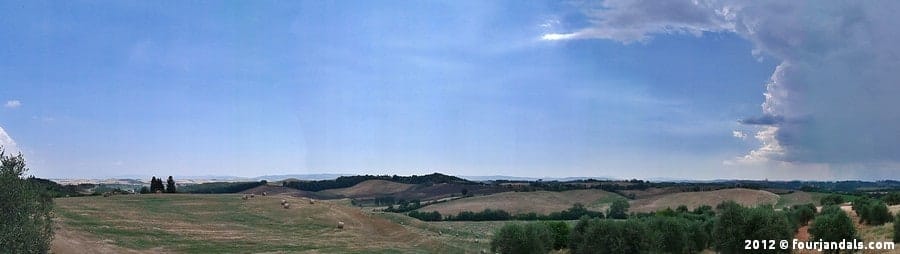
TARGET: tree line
(349,181)
(573,213)
(723,229)
(156,186)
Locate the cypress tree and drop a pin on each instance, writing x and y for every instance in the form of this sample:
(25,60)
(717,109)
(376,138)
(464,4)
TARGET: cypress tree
(170,185)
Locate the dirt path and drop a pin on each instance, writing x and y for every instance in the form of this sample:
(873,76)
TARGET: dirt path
(67,241)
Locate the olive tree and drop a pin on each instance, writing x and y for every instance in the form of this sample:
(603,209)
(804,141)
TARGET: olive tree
(26,224)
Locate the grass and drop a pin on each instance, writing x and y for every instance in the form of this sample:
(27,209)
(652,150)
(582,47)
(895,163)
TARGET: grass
(226,224)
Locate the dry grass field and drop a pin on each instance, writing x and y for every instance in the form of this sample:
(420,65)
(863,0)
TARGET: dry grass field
(746,197)
(541,202)
(370,188)
(183,223)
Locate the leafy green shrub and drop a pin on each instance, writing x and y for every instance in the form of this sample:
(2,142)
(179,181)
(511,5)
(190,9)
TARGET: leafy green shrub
(560,231)
(832,199)
(610,236)
(519,238)
(425,216)
(833,225)
(736,223)
(26,225)
(618,209)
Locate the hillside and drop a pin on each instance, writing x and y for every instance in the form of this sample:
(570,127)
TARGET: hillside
(541,202)
(215,223)
(370,188)
(693,200)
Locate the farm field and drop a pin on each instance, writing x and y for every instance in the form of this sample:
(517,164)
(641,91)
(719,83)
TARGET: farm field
(225,223)
(541,202)
(746,197)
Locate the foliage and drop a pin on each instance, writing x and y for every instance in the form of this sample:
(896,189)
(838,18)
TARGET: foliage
(348,181)
(802,214)
(832,199)
(736,223)
(518,238)
(897,229)
(609,236)
(618,209)
(170,185)
(871,211)
(156,185)
(54,189)
(220,187)
(425,216)
(560,231)
(25,208)
(833,225)
(484,215)
(892,198)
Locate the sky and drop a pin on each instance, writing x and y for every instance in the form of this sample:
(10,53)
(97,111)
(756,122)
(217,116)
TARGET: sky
(681,89)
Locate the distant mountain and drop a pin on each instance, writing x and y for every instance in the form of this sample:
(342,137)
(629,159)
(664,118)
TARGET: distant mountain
(308,177)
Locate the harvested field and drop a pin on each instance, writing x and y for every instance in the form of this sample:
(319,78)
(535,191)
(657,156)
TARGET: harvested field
(225,223)
(746,197)
(369,188)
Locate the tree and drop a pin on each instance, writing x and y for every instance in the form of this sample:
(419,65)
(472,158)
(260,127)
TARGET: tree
(736,223)
(560,231)
(610,236)
(833,225)
(156,185)
(518,238)
(897,228)
(618,209)
(802,214)
(26,226)
(170,185)
(145,190)
(832,199)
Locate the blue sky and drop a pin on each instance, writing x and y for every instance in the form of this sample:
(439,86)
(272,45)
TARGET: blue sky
(95,89)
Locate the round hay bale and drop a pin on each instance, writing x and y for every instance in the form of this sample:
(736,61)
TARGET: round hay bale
(286,205)
(283,201)
(312,201)
(340,224)
(264,193)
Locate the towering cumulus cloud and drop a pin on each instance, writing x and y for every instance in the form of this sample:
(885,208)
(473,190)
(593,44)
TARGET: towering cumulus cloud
(835,96)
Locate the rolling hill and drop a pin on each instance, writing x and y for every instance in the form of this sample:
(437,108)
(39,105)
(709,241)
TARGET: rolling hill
(746,197)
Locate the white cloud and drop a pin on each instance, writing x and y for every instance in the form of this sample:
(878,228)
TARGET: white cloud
(739,134)
(7,142)
(13,104)
(834,91)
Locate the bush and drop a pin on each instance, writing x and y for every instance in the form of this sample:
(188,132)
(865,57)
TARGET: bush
(519,238)
(560,232)
(26,224)
(833,225)
(892,198)
(871,212)
(736,223)
(670,234)
(609,236)
(897,229)
(425,216)
(832,199)
(802,214)
(618,209)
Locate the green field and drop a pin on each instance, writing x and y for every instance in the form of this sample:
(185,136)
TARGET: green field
(226,223)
